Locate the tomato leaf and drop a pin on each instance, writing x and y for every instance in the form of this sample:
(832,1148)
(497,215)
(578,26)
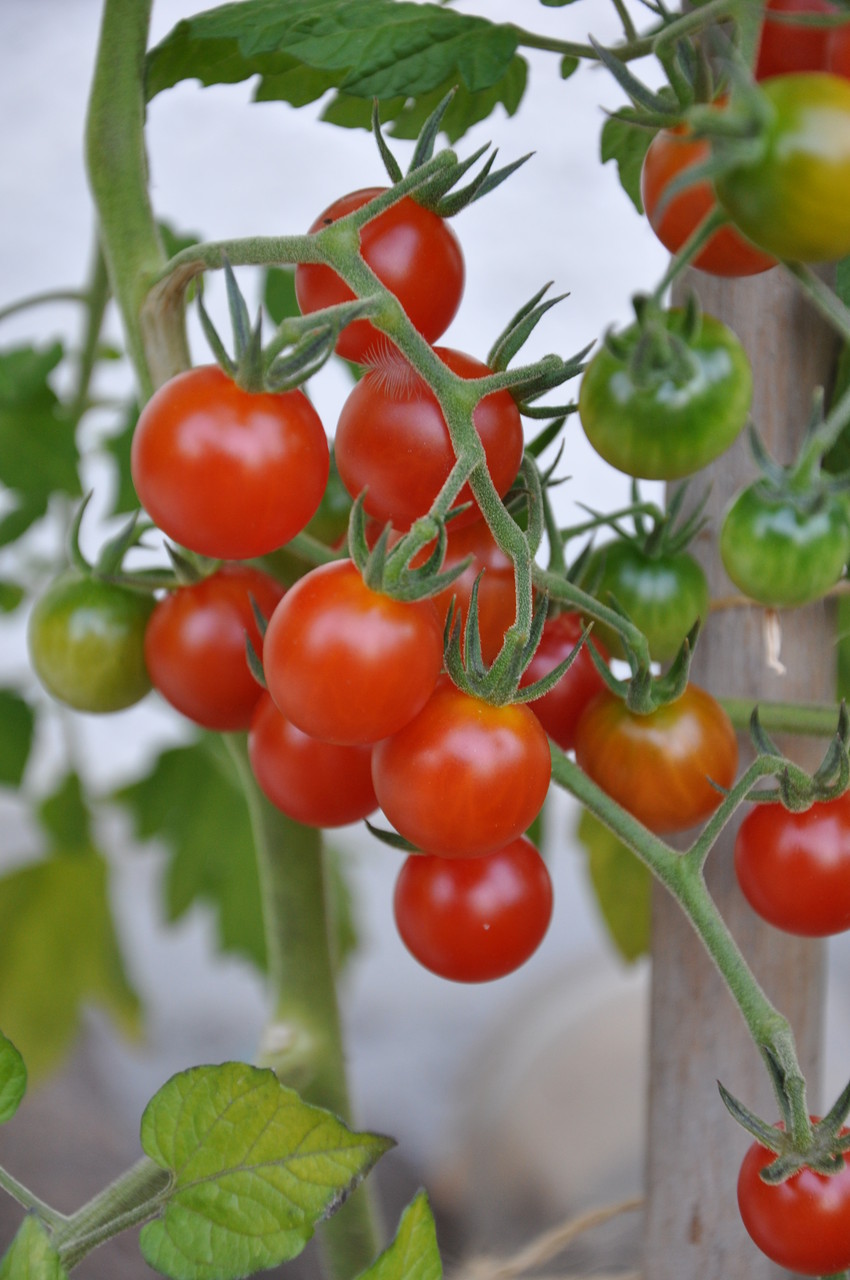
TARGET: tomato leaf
(65,817)
(209,841)
(253,1170)
(626,144)
(13,1079)
(11,595)
(413,1254)
(31,1256)
(38,455)
(621,884)
(279,293)
(365,49)
(17,725)
(58,950)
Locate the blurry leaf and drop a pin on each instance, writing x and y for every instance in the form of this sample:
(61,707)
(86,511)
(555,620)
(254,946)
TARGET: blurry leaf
(58,950)
(38,455)
(413,1254)
(253,1170)
(192,802)
(627,144)
(569,64)
(17,724)
(11,596)
(65,816)
(31,1255)
(279,293)
(13,1079)
(385,49)
(621,884)
(118,448)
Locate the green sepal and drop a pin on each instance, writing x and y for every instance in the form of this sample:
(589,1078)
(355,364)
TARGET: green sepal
(391,839)
(545,437)
(391,165)
(255,662)
(424,148)
(765,1134)
(537,689)
(519,328)
(635,89)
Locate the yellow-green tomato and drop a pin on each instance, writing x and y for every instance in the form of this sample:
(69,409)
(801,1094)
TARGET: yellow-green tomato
(86,643)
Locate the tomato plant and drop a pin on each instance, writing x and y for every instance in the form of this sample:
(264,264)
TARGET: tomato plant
(802,1224)
(392,416)
(728,252)
(782,551)
(347,664)
(667,421)
(790,47)
(559,709)
(195,646)
(321,784)
(463,777)
(474,919)
(791,196)
(86,643)
(412,251)
(226,472)
(660,766)
(496,585)
(794,868)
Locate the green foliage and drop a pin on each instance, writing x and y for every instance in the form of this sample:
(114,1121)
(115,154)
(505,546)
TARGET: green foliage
(11,595)
(253,1170)
(621,884)
(13,1079)
(31,1255)
(38,455)
(65,818)
(117,446)
(17,725)
(191,801)
(413,1254)
(405,55)
(279,293)
(626,144)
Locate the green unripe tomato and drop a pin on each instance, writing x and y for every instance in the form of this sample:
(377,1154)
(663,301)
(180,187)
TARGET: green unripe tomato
(673,420)
(781,554)
(663,595)
(86,643)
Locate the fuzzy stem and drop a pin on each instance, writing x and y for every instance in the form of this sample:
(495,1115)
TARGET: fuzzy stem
(130,1200)
(25,1197)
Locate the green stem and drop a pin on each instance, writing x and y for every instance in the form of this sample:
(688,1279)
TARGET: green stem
(117,168)
(24,1196)
(128,1201)
(819,720)
(697,240)
(97,296)
(48,297)
(302,1042)
(822,298)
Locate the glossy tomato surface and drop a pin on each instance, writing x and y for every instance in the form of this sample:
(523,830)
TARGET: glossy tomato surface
(464,777)
(782,554)
(412,251)
(660,766)
(793,197)
(671,422)
(802,1224)
(838,51)
(195,646)
(794,868)
(226,473)
(392,440)
(321,784)
(785,48)
(348,664)
(559,709)
(727,253)
(86,643)
(474,919)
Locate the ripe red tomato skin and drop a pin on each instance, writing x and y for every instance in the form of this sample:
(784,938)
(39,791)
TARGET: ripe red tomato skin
(802,1224)
(794,868)
(463,777)
(838,51)
(347,664)
(474,919)
(784,49)
(413,252)
(195,646)
(319,784)
(226,473)
(392,440)
(559,709)
(657,766)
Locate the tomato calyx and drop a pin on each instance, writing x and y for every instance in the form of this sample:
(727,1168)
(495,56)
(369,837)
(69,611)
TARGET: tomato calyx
(388,566)
(796,789)
(798,1140)
(109,565)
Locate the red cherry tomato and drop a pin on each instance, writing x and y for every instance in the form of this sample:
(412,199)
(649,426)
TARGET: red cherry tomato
(392,440)
(802,1224)
(347,664)
(838,51)
(496,589)
(559,709)
(318,783)
(659,766)
(412,251)
(794,868)
(727,253)
(195,646)
(226,473)
(785,48)
(474,919)
(464,777)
